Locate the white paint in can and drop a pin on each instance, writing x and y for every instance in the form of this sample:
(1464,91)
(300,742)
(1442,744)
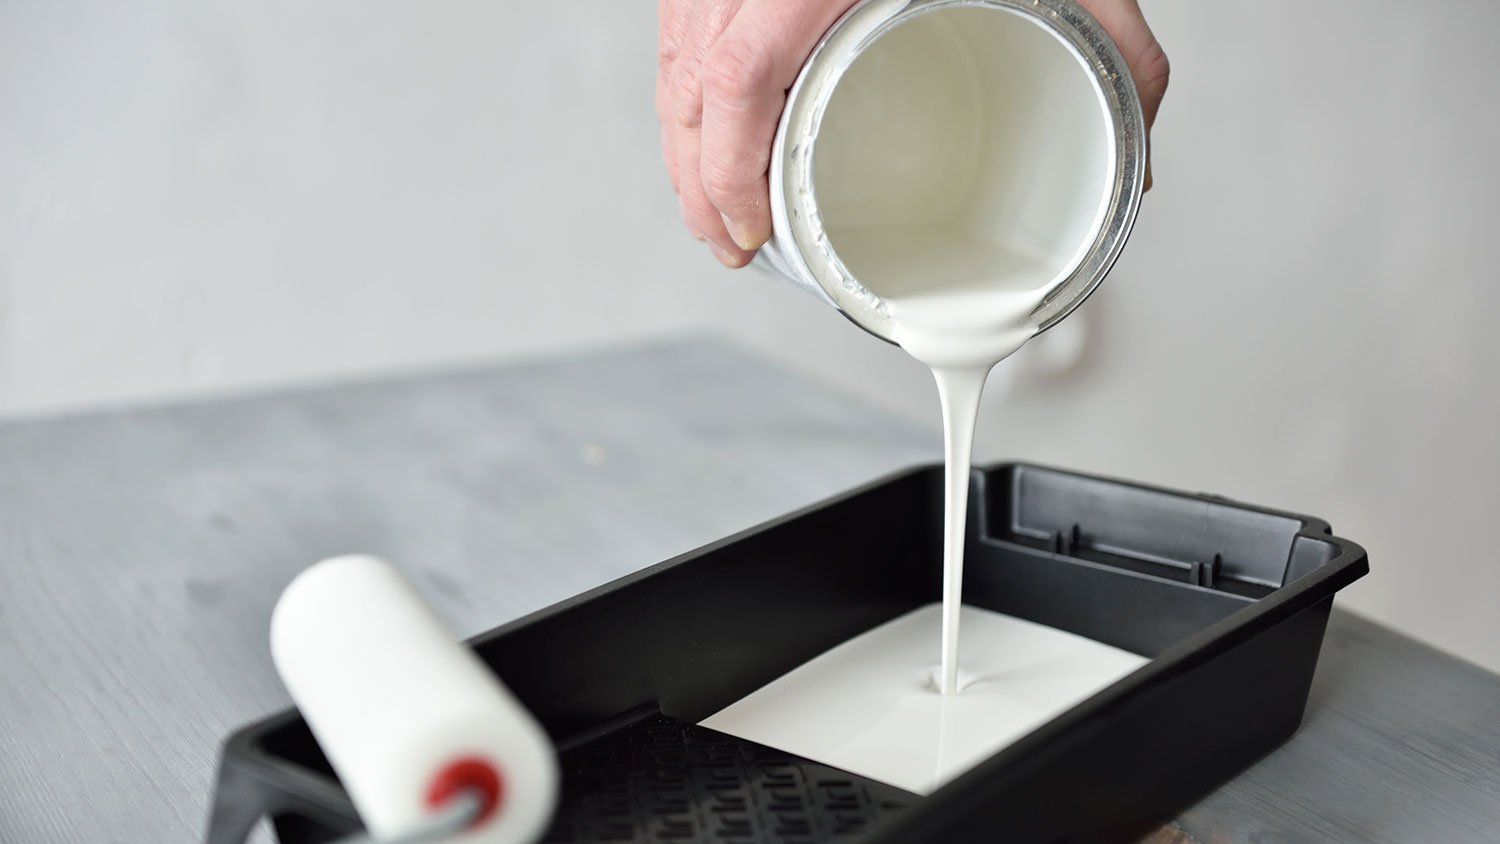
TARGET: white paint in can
(955,176)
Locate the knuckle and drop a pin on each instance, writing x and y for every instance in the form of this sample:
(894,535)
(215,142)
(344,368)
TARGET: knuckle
(736,70)
(1154,67)
(734,181)
(696,207)
(668,33)
(668,46)
(666,111)
(723,182)
(687,94)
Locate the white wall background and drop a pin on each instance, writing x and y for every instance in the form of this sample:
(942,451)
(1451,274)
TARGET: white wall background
(205,195)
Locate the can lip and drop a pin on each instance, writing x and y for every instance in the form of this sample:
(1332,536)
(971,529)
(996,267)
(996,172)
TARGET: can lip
(794,211)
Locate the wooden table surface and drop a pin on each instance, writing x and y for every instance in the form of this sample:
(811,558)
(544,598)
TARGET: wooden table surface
(141,552)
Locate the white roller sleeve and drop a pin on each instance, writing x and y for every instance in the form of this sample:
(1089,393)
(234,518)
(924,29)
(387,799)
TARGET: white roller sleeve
(405,713)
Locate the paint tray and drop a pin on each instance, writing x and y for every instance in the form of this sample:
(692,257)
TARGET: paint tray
(1228,602)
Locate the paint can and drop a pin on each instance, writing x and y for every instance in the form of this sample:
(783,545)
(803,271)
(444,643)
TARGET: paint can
(1013,122)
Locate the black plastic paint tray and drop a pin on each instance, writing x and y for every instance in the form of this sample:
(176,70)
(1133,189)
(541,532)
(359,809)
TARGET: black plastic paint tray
(1228,602)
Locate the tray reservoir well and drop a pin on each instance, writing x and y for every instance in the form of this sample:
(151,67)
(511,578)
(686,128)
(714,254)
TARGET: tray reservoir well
(1130,566)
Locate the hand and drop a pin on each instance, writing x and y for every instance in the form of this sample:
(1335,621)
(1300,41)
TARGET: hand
(724,69)
(1148,64)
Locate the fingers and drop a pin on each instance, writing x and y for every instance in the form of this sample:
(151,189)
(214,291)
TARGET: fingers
(744,77)
(740,111)
(671,24)
(698,212)
(671,21)
(665,118)
(708,20)
(726,65)
(1148,64)
(1125,23)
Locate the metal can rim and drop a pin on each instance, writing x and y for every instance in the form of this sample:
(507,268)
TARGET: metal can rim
(805,253)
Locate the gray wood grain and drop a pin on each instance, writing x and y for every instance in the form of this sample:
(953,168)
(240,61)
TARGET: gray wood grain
(141,552)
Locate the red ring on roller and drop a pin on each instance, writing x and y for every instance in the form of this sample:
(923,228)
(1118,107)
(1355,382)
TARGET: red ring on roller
(468,773)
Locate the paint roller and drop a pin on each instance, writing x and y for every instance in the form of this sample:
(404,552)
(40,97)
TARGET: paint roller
(426,740)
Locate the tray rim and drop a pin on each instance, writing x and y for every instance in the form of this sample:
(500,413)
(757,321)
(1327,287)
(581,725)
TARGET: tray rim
(1258,615)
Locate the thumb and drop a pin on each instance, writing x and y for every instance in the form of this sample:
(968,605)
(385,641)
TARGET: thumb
(1147,61)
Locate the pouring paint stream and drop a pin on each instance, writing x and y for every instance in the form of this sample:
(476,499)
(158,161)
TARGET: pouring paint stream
(941,168)
(961,331)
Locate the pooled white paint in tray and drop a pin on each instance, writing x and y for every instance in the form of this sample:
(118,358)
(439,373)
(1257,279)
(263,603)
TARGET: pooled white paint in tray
(869,705)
